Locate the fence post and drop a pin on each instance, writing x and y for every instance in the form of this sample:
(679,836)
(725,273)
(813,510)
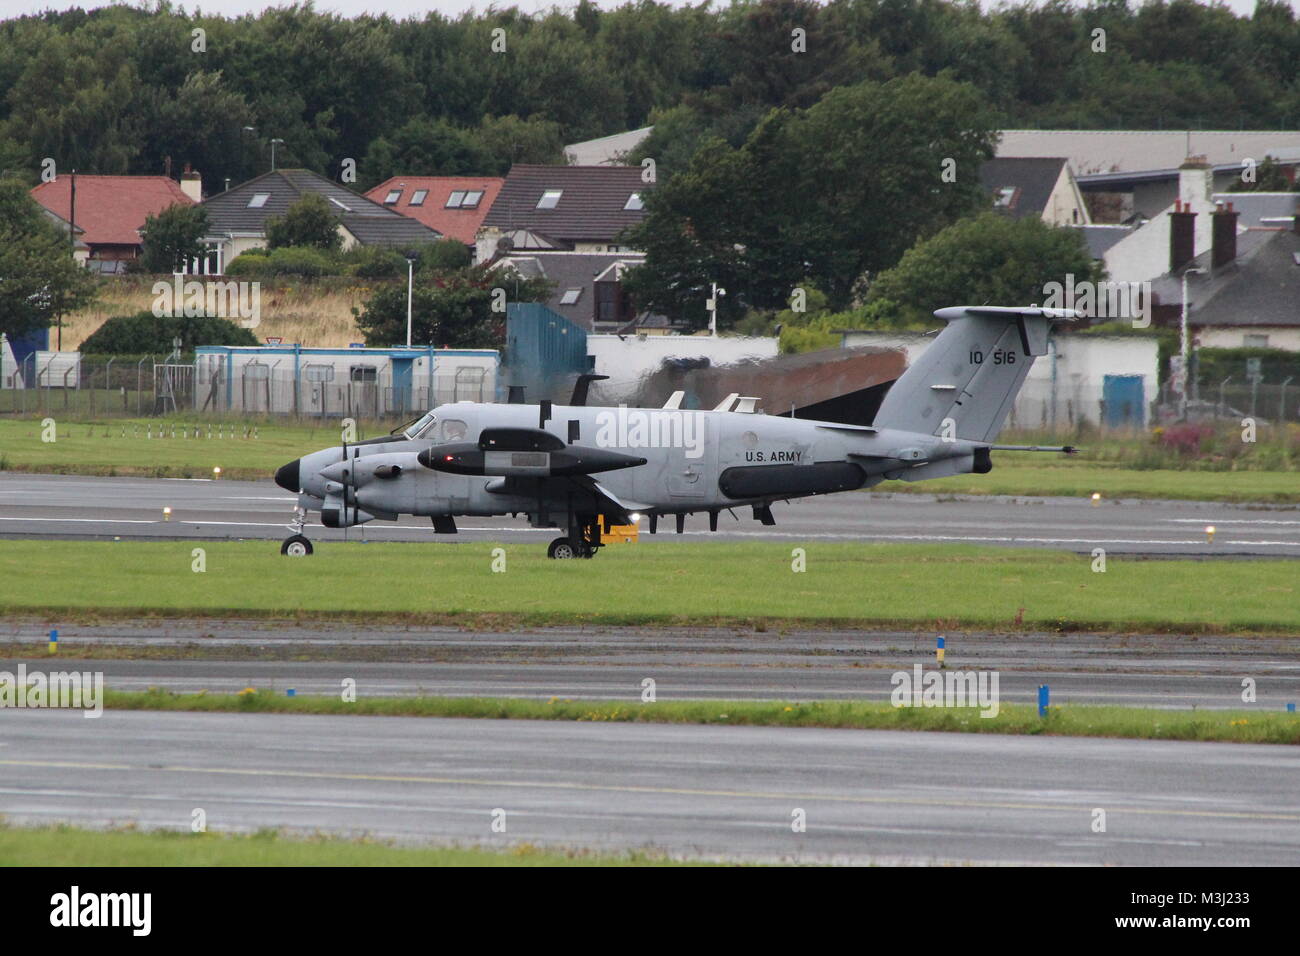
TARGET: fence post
(1219,412)
(1281,399)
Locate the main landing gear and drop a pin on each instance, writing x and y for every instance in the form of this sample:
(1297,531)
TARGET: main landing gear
(296,545)
(582,541)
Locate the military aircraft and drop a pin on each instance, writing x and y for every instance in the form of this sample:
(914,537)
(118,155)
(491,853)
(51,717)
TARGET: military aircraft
(566,466)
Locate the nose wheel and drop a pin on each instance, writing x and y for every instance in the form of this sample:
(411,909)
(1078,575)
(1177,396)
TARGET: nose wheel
(296,546)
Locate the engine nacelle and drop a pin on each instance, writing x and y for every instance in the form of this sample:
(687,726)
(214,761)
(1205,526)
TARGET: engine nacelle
(335,513)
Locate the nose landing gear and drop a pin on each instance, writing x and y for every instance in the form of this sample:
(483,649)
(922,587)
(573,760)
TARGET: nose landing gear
(296,545)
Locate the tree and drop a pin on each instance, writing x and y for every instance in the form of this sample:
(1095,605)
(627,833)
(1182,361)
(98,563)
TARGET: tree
(988,259)
(448,311)
(425,147)
(173,237)
(307,222)
(825,194)
(38,277)
(1269,178)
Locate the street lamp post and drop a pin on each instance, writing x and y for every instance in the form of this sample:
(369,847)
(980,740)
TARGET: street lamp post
(1186,347)
(712,305)
(273,143)
(410,286)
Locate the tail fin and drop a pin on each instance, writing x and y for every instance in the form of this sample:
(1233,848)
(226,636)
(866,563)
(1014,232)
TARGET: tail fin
(971,372)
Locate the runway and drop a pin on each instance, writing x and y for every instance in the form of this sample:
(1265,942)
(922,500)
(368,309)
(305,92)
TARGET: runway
(1167,671)
(713,792)
(53,506)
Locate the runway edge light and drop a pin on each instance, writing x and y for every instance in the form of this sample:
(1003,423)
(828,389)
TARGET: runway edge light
(1043,698)
(54,642)
(938,651)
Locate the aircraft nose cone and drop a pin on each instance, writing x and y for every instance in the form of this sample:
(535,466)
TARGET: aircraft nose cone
(287,476)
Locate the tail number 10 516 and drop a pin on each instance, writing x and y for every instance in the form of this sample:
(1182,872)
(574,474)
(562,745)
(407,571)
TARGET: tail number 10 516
(1000,357)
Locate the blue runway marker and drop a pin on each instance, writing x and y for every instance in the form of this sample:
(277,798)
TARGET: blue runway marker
(1290,708)
(1042,700)
(54,642)
(291,692)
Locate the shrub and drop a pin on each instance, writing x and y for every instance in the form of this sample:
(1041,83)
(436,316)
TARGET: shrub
(288,261)
(145,332)
(375,262)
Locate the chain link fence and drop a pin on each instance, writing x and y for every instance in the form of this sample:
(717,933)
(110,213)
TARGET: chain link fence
(72,384)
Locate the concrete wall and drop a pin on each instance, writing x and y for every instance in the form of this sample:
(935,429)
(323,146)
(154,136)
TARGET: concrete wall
(628,359)
(1234,337)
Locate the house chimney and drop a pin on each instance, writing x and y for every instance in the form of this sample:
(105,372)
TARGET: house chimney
(192,184)
(1182,236)
(1195,181)
(1224,233)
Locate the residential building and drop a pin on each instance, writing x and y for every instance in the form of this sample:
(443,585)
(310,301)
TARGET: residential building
(237,218)
(571,208)
(110,212)
(588,286)
(1043,187)
(452,205)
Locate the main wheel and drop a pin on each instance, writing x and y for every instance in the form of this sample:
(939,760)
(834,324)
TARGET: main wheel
(562,548)
(296,546)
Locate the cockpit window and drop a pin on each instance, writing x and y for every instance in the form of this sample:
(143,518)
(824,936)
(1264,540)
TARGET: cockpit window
(453,430)
(421,426)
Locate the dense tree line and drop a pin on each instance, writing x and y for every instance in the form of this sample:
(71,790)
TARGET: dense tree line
(116,90)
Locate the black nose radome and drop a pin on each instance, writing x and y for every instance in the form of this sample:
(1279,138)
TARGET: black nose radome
(287,476)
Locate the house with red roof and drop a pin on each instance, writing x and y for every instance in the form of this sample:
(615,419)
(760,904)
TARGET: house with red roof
(110,211)
(453,205)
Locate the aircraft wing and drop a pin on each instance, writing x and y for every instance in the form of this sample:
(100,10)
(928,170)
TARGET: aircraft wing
(616,508)
(563,489)
(859,429)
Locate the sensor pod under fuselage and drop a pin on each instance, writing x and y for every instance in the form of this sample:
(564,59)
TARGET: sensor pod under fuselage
(470,459)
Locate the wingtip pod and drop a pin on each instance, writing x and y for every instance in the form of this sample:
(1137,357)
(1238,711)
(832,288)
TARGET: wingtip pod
(1007,312)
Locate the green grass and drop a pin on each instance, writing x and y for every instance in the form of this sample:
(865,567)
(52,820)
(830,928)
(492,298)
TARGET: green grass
(75,846)
(1131,467)
(1041,475)
(664,583)
(1238,726)
(122,446)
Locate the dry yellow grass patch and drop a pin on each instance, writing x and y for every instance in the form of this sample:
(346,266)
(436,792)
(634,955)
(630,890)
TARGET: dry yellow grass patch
(312,313)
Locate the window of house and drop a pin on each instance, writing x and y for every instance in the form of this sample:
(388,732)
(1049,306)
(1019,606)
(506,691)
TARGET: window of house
(472,198)
(455,199)
(550,199)
(570,296)
(258,200)
(634,202)
(392,197)
(1002,197)
(1254,341)
(318,373)
(363,374)
(417,197)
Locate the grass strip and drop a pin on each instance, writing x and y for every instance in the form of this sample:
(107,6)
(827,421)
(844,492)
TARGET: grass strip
(126,846)
(846,585)
(1256,726)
